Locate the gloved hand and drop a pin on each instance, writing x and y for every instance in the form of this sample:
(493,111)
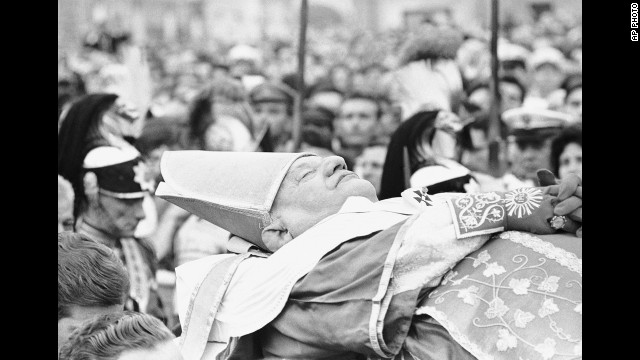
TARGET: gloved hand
(569,193)
(529,209)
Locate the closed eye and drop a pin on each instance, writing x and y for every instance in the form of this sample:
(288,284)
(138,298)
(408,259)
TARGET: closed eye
(306,175)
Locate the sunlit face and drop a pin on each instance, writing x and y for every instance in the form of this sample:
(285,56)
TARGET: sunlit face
(357,123)
(570,161)
(119,217)
(369,165)
(315,188)
(573,104)
(77,315)
(166,350)
(274,114)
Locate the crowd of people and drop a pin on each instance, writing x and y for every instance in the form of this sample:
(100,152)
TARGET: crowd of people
(406,108)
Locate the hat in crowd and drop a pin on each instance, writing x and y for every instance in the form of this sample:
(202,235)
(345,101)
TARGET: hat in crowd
(534,122)
(547,55)
(120,172)
(512,52)
(318,116)
(271,92)
(233,190)
(244,52)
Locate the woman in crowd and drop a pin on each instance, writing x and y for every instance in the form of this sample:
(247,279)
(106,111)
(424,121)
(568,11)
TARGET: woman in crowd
(566,152)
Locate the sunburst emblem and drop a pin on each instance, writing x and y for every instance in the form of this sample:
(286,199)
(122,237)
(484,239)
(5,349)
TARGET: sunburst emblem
(141,172)
(523,201)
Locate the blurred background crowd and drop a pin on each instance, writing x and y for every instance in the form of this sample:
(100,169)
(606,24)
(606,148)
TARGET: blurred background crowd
(401,89)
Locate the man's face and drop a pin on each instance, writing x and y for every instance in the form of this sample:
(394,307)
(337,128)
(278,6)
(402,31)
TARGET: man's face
(274,114)
(529,156)
(481,98)
(77,315)
(241,68)
(511,96)
(547,77)
(573,104)
(167,350)
(315,188)
(357,122)
(120,217)
(370,163)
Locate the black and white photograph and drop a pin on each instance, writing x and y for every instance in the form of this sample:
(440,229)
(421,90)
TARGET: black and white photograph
(320,179)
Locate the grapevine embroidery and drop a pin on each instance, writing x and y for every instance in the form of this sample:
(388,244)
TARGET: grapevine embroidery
(545,287)
(476,209)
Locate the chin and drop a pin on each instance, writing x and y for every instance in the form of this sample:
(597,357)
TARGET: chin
(360,187)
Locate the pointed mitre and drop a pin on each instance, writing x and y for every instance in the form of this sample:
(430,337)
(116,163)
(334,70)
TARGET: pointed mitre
(234,190)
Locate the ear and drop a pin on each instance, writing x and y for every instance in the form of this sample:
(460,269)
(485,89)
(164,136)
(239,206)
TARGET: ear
(90,184)
(275,235)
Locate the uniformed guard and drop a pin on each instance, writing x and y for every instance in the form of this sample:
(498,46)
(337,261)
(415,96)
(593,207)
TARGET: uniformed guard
(530,132)
(115,181)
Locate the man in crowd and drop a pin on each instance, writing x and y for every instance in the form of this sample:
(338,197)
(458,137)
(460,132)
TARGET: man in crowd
(313,220)
(475,154)
(356,125)
(272,104)
(547,70)
(114,186)
(91,281)
(530,132)
(123,335)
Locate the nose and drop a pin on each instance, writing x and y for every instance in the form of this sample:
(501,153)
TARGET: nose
(331,164)
(138,210)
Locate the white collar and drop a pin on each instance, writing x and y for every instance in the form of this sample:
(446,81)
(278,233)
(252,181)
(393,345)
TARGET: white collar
(359,204)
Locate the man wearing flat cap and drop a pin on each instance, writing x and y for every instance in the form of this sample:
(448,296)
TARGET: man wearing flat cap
(272,104)
(319,268)
(114,184)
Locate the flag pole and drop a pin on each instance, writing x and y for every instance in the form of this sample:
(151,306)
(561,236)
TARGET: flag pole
(495,139)
(297,114)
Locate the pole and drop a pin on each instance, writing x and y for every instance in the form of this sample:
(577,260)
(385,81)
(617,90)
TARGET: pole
(495,140)
(297,115)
